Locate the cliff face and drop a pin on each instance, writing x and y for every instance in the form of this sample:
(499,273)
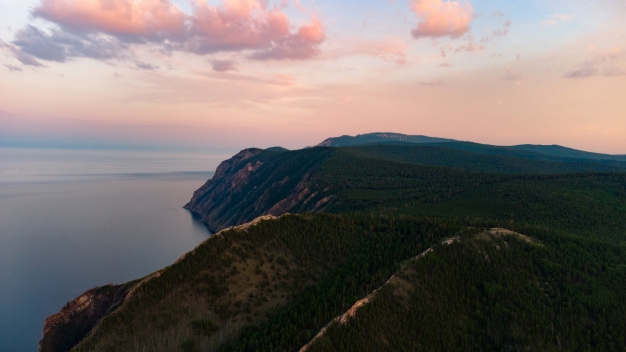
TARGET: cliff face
(259,182)
(65,329)
(234,169)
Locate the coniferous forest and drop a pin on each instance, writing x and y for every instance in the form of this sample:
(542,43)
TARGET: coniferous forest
(389,247)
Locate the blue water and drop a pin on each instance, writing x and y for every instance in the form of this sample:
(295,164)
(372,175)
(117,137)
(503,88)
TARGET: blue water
(72,220)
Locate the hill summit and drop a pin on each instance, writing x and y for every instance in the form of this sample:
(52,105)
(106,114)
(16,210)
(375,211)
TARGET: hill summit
(379,137)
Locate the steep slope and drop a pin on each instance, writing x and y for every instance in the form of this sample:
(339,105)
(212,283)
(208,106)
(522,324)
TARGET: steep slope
(65,329)
(490,292)
(258,182)
(379,137)
(281,279)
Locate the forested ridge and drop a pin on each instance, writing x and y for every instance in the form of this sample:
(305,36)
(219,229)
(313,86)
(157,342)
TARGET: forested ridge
(361,215)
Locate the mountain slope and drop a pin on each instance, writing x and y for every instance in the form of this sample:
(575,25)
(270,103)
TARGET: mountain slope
(282,278)
(564,152)
(484,159)
(257,182)
(490,292)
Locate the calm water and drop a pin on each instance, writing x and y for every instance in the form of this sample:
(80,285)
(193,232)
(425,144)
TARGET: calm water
(72,220)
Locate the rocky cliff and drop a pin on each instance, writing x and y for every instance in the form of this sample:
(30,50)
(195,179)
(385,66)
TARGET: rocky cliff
(77,318)
(259,182)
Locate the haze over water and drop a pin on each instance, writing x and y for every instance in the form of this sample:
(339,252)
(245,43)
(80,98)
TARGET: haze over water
(71,220)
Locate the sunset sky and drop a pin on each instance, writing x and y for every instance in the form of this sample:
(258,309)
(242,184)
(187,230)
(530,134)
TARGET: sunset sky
(241,73)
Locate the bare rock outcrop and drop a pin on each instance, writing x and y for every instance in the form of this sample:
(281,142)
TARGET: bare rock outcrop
(259,182)
(77,318)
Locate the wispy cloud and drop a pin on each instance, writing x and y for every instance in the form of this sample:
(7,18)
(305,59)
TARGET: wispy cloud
(511,75)
(224,65)
(391,50)
(556,19)
(61,46)
(146,66)
(609,64)
(20,55)
(13,68)
(432,83)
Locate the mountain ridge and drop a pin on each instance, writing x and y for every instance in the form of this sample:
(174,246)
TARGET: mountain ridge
(552,152)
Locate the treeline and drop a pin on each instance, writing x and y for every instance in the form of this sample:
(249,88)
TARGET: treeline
(519,162)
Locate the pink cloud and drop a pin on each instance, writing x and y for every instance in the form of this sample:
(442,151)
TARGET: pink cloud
(143,18)
(441,18)
(303,44)
(234,25)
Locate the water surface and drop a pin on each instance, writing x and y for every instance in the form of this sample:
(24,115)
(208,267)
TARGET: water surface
(72,220)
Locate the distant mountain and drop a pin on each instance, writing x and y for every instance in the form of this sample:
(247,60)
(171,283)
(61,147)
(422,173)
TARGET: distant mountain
(524,151)
(379,137)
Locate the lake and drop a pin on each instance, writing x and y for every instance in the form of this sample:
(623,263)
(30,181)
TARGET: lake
(71,220)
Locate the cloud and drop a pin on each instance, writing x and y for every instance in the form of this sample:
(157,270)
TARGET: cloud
(441,18)
(137,20)
(224,65)
(511,75)
(497,32)
(469,46)
(20,55)
(432,83)
(556,19)
(301,45)
(61,46)
(233,26)
(13,68)
(608,64)
(392,50)
(146,66)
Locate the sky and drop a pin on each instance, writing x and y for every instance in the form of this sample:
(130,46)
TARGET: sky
(258,73)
